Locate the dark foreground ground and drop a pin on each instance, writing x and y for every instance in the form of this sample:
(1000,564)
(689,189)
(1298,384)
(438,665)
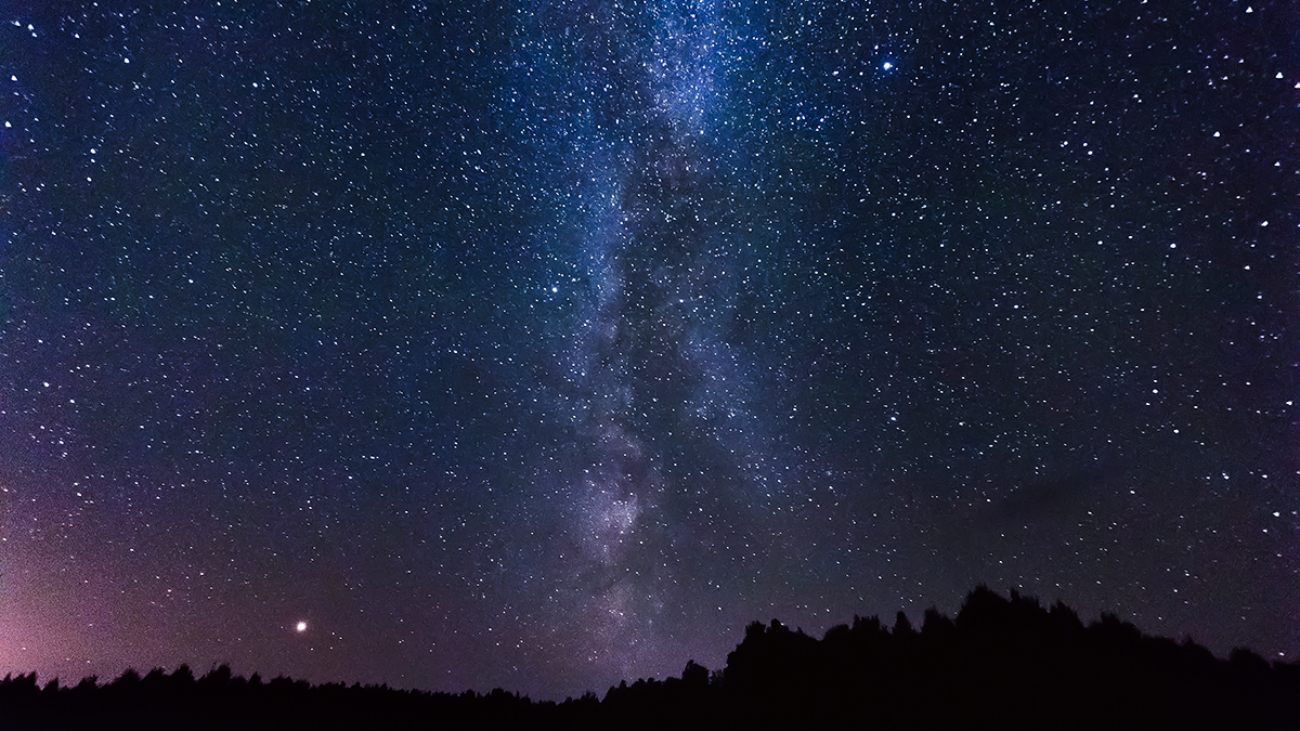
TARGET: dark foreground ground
(1005,663)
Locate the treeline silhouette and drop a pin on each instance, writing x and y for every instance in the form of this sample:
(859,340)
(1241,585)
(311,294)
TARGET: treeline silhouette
(1001,663)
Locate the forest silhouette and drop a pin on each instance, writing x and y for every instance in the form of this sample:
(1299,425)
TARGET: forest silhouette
(1003,662)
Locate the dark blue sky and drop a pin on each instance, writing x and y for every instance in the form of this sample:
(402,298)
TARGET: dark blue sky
(541,345)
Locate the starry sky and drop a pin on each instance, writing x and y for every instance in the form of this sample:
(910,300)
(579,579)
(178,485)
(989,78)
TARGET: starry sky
(544,343)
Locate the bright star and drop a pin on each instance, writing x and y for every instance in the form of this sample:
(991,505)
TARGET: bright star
(301,627)
(887,65)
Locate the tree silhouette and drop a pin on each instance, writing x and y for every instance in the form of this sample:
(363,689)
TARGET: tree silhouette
(1002,660)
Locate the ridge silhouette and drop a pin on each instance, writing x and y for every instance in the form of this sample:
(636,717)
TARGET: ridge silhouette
(1002,662)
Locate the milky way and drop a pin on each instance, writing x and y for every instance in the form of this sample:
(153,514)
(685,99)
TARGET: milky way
(546,344)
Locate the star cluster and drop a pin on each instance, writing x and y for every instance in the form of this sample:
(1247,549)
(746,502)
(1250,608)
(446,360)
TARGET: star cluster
(545,344)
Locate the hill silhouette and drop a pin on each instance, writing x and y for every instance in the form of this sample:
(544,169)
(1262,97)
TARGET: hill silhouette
(1003,662)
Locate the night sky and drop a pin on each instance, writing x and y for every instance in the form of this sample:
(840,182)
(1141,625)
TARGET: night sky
(548,343)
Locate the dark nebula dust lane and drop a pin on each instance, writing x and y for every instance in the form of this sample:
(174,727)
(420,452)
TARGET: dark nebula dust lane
(541,345)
